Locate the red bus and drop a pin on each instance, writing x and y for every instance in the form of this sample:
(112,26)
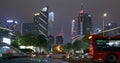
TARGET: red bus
(104,48)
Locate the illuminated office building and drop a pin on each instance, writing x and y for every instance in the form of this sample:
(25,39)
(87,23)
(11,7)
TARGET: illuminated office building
(84,23)
(41,21)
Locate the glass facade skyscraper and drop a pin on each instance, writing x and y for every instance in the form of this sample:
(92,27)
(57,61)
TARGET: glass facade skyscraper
(84,23)
(41,21)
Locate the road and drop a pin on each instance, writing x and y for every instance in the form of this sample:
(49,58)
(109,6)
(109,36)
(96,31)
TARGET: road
(55,61)
(35,60)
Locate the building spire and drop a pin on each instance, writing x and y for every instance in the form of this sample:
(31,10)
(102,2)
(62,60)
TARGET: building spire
(82,8)
(81,5)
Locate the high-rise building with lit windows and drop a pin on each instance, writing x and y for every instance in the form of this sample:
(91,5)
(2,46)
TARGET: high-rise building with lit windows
(84,23)
(51,23)
(73,29)
(41,21)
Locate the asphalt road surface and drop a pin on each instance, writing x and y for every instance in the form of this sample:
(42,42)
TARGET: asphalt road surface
(33,60)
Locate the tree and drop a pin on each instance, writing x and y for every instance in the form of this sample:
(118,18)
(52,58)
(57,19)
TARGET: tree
(30,39)
(22,41)
(27,40)
(16,40)
(42,42)
(85,41)
(77,45)
(68,47)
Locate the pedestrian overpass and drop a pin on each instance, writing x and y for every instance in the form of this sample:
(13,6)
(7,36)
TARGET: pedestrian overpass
(79,37)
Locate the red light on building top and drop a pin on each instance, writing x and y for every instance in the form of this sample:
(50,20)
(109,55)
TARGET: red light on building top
(60,34)
(81,11)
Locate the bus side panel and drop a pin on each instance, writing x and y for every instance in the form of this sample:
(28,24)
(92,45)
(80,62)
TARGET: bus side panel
(99,56)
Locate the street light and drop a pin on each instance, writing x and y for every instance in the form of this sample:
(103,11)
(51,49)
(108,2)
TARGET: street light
(104,15)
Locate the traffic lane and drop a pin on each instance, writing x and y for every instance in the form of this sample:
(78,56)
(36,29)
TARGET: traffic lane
(50,60)
(32,60)
(19,60)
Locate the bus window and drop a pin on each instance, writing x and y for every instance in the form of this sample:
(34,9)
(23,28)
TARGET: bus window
(108,44)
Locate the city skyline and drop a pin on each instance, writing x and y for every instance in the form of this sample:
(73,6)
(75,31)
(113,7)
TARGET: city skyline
(23,11)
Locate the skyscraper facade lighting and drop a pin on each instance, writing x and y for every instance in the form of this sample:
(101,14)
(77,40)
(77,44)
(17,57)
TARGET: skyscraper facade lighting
(73,29)
(51,23)
(41,21)
(84,23)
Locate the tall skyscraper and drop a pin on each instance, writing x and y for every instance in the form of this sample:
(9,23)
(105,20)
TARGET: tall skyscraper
(41,21)
(84,23)
(51,23)
(73,29)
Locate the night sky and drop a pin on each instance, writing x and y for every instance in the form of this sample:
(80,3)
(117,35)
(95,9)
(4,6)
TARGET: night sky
(65,10)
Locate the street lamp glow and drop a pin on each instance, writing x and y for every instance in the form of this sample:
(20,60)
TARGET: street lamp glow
(109,24)
(105,14)
(73,20)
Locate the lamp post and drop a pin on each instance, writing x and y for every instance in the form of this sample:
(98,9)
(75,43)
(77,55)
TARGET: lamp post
(104,15)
